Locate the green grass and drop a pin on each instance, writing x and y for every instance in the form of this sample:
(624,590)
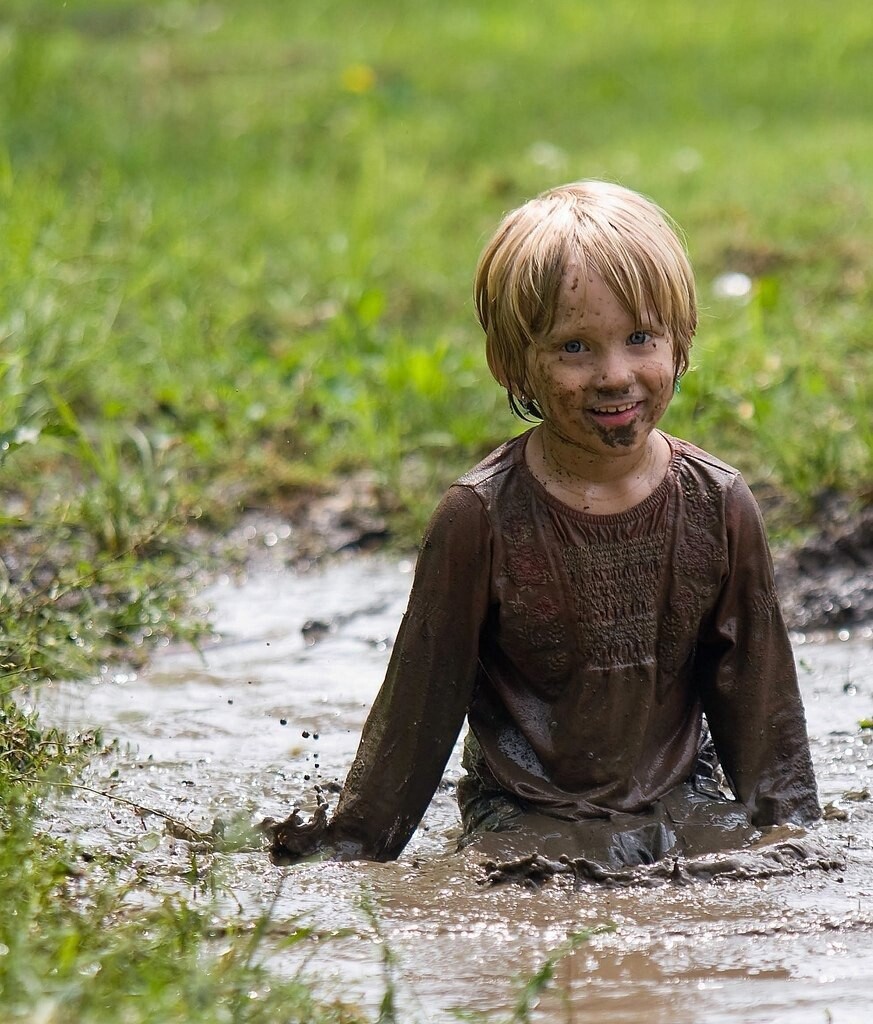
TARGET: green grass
(241,241)
(237,245)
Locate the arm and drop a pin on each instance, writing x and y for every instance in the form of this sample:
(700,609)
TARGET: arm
(749,683)
(417,715)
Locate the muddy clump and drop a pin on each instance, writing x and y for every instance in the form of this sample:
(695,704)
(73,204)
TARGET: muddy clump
(776,861)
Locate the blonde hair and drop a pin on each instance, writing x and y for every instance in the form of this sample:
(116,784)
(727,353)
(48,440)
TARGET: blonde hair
(603,228)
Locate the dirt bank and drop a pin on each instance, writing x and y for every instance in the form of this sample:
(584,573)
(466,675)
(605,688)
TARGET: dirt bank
(827,582)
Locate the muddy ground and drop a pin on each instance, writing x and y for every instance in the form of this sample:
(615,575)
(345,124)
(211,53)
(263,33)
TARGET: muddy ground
(273,704)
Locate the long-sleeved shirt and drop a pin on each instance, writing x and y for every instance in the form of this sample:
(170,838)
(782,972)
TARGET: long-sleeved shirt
(584,650)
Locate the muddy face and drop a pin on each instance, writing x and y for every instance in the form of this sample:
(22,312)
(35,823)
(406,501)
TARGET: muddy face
(601,380)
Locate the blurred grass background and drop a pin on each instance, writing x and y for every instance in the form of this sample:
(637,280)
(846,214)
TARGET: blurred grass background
(238,242)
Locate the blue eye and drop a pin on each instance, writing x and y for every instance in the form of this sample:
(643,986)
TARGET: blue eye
(573,346)
(639,338)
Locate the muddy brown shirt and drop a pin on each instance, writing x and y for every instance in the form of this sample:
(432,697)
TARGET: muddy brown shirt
(584,649)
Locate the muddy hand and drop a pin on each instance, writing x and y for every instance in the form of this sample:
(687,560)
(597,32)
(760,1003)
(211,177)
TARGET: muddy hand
(293,839)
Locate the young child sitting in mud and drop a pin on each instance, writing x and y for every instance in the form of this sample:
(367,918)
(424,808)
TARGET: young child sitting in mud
(592,595)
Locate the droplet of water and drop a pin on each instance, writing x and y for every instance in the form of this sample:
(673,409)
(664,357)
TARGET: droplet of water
(150,841)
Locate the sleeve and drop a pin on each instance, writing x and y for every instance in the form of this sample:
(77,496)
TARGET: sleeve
(418,713)
(749,682)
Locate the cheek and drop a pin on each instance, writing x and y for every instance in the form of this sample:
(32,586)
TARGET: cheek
(550,389)
(660,370)
(667,390)
(665,377)
(666,360)
(659,380)
(539,377)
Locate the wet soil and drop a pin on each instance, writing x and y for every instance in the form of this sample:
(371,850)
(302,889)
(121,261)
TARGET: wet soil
(827,582)
(273,705)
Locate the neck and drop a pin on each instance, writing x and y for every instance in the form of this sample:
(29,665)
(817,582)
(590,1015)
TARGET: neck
(591,483)
(573,463)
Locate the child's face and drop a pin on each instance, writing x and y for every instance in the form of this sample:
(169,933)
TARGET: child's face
(601,382)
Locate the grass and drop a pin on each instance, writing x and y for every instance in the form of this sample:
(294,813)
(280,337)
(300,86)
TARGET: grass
(72,947)
(237,248)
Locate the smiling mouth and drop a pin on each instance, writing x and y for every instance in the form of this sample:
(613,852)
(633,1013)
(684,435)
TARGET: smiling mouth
(612,410)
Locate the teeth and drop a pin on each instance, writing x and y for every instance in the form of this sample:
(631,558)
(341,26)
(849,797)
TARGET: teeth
(615,408)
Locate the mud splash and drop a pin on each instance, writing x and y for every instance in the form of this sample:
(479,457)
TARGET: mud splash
(214,740)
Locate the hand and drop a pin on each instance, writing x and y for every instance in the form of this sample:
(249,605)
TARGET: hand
(294,840)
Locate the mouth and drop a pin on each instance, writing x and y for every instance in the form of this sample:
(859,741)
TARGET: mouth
(617,415)
(615,408)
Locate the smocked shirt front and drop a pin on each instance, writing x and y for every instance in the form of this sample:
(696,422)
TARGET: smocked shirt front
(584,649)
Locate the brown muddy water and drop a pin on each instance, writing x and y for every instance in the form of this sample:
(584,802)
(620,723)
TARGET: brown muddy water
(275,703)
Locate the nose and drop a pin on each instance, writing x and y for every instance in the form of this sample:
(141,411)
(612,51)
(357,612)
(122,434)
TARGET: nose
(614,372)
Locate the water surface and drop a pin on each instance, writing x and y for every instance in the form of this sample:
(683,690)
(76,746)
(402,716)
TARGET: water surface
(274,705)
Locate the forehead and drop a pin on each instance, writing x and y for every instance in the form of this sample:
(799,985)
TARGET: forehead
(584,300)
(583,296)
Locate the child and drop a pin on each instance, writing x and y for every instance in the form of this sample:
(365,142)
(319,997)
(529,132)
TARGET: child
(588,592)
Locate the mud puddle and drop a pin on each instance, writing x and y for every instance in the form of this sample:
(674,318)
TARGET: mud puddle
(275,704)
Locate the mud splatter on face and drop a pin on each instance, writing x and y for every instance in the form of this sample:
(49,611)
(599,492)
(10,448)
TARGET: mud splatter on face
(617,437)
(595,355)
